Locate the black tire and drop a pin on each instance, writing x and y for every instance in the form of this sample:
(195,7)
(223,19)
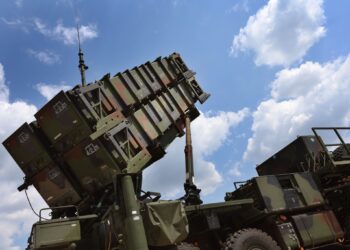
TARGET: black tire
(180,246)
(187,246)
(250,239)
(339,152)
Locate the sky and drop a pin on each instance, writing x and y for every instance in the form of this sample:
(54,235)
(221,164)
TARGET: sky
(274,69)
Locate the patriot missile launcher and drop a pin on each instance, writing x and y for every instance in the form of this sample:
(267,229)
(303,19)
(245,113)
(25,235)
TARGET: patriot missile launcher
(97,138)
(88,146)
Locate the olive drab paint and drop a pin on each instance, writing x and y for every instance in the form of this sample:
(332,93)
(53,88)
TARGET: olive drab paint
(88,146)
(85,136)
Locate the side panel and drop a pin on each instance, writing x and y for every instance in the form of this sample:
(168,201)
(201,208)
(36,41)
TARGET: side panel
(308,188)
(290,191)
(27,150)
(61,123)
(292,158)
(318,228)
(59,234)
(271,192)
(54,187)
(91,164)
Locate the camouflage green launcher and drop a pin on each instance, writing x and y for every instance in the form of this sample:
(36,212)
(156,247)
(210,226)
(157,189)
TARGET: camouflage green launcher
(83,137)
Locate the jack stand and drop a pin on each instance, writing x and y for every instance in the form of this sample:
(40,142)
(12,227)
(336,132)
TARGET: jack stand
(192,193)
(192,196)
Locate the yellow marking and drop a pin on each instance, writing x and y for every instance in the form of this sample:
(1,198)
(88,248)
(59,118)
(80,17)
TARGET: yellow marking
(57,136)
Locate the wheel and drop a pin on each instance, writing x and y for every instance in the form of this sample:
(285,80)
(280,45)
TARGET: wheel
(250,239)
(187,246)
(339,152)
(180,246)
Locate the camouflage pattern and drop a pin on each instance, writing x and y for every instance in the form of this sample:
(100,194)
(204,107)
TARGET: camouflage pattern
(90,144)
(162,229)
(318,228)
(291,197)
(298,156)
(54,187)
(25,147)
(287,192)
(117,124)
(93,166)
(62,123)
(277,193)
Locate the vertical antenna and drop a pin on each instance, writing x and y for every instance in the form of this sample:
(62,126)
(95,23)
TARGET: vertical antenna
(82,66)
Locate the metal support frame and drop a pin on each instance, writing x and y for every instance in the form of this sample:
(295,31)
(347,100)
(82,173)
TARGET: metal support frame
(192,193)
(325,145)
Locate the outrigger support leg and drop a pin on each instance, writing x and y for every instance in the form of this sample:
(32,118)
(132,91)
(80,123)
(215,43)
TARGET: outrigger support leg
(192,193)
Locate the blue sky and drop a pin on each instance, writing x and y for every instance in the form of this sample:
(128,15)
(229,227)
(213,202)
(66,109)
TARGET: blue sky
(273,68)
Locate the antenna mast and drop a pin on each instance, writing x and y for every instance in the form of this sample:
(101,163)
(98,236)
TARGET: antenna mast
(82,66)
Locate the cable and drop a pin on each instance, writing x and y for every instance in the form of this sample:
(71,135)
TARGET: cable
(30,204)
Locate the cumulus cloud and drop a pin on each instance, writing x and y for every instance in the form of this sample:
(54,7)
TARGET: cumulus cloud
(239,7)
(68,35)
(13,22)
(18,23)
(235,170)
(45,56)
(209,133)
(19,3)
(49,90)
(312,94)
(16,216)
(281,32)
(4,91)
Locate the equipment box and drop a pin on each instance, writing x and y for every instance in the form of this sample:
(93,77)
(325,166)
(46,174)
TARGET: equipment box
(292,158)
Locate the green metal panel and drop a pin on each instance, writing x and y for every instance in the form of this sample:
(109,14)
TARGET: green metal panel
(308,189)
(146,124)
(120,88)
(54,187)
(318,228)
(271,192)
(91,163)
(27,150)
(59,234)
(289,191)
(160,114)
(62,123)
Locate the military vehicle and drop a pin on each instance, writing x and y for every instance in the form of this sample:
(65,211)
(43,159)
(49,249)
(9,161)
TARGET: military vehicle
(88,146)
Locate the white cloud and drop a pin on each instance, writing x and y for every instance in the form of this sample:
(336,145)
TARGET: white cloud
(19,3)
(13,22)
(45,56)
(68,35)
(310,95)
(281,32)
(18,23)
(49,90)
(209,133)
(16,217)
(239,7)
(236,169)
(4,91)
